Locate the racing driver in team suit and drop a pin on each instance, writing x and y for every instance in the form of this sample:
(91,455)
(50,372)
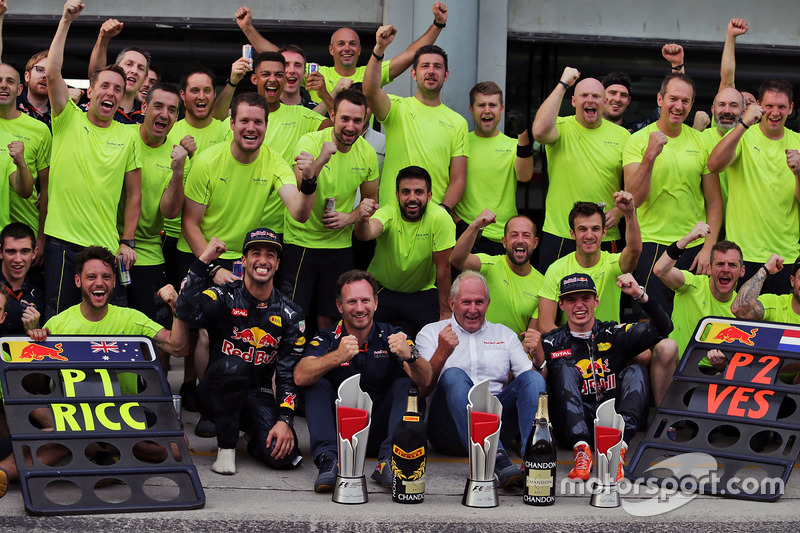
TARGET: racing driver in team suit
(254,332)
(586,361)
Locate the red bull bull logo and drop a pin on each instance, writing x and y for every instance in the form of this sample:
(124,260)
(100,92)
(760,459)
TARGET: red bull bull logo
(256,337)
(600,367)
(36,352)
(732,333)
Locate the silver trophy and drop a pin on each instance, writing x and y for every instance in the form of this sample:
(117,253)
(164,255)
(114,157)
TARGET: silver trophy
(484,413)
(353,418)
(608,430)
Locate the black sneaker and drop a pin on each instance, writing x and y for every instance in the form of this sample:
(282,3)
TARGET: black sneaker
(383,473)
(187,392)
(205,428)
(508,474)
(328,470)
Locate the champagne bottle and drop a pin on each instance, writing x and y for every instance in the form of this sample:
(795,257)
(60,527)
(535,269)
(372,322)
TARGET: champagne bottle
(408,454)
(540,460)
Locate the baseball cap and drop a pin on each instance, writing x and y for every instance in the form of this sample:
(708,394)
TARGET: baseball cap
(796,266)
(576,283)
(261,235)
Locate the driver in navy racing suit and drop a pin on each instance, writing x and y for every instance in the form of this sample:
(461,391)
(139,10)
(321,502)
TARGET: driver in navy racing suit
(254,332)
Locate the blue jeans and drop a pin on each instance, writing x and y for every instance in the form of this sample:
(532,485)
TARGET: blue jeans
(387,411)
(448,426)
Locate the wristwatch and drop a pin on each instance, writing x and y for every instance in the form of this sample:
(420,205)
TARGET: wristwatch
(289,419)
(414,355)
(130,243)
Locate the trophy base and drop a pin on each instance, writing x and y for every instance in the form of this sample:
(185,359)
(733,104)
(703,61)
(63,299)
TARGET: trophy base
(350,490)
(605,496)
(480,493)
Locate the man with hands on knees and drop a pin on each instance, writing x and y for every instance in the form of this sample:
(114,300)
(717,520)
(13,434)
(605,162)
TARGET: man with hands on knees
(587,363)
(255,333)
(467,349)
(388,363)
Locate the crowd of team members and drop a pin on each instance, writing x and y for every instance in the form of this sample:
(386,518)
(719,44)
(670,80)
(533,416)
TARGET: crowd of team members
(296,184)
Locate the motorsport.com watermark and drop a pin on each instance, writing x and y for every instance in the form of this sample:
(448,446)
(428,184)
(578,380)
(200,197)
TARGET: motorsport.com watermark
(692,474)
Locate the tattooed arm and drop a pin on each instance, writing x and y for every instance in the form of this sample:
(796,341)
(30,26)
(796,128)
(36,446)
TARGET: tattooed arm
(746,304)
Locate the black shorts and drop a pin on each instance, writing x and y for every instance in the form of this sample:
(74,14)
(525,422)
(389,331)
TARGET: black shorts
(169,248)
(143,292)
(643,273)
(775,284)
(310,274)
(409,310)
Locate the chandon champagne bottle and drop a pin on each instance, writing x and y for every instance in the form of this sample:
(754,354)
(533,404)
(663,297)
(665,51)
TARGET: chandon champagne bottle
(540,460)
(408,454)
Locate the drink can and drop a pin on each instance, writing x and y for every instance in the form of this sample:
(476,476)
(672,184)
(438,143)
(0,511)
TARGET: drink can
(238,269)
(176,403)
(313,67)
(330,205)
(247,51)
(124,274)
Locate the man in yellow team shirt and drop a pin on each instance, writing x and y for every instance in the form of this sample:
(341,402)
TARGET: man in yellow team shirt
(665,170)
(696,296)
(584,160)
(163,158)
(287,123)
(37,140)
(239,177)
(770,307)
(319,250)
(94,158)
(420,130)
(414,238)
(498,162)
(763,168)
(587,223)
(511,278)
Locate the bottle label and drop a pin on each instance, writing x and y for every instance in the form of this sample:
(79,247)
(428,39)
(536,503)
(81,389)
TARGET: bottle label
(416,454)
(540,466)
(416,486)
(539,481)
(411,418)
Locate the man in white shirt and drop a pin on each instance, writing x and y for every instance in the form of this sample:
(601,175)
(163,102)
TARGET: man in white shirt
(467,349)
